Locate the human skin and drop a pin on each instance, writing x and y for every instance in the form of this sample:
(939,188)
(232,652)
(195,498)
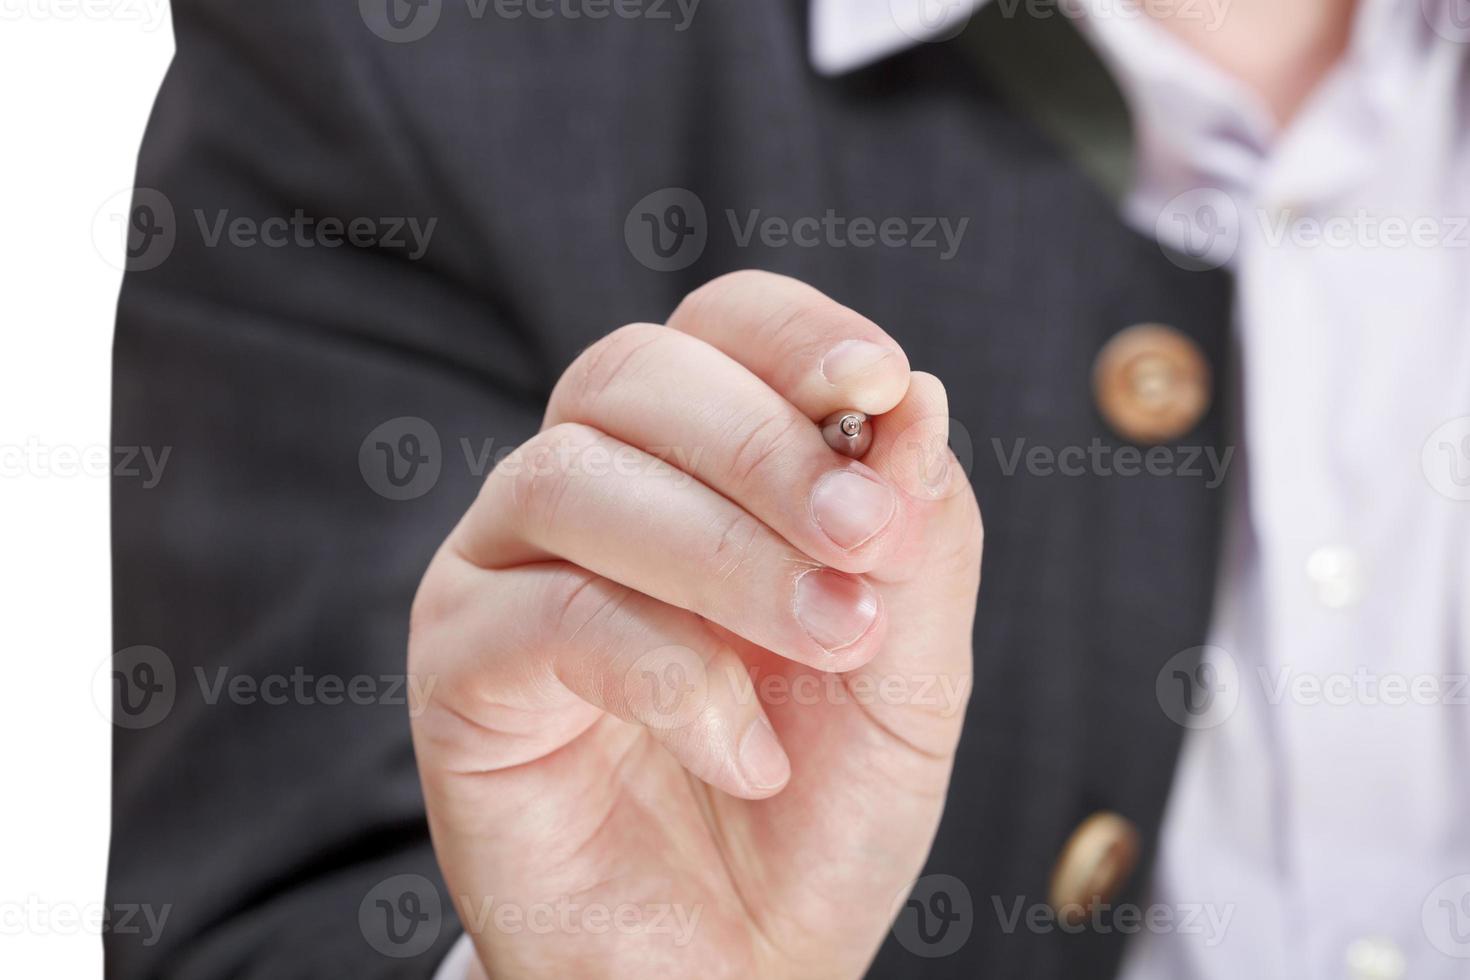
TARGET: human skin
(1281,51)
(723,691)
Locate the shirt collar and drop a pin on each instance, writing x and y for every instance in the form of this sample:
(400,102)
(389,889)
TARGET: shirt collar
(849,34)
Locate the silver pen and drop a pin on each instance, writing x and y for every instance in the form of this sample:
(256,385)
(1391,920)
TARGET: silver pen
(848,432)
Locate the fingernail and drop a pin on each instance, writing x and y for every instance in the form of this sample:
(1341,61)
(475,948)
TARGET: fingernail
(851,359)
(834,609)
(762,759)
(851,508)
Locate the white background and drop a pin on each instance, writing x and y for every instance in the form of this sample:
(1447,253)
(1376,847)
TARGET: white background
(77,80)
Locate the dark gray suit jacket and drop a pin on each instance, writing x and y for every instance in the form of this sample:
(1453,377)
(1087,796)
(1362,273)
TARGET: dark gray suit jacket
(272,547)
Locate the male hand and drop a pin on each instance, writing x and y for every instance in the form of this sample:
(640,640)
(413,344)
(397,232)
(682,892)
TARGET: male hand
(699,678)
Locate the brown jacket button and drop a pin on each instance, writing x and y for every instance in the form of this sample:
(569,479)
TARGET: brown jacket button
(1094,865)
(1152,383)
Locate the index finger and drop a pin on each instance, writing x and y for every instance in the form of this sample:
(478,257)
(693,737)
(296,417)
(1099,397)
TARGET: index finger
(816,353)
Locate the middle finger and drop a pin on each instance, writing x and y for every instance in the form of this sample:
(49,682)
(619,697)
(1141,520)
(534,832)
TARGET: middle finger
(577,494)
(680,398)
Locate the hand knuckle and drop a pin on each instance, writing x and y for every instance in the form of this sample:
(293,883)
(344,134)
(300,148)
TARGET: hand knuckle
(541,473)
(764,442)
(739,540)
(709,300)
(608,362)
(810,323)
(578,601)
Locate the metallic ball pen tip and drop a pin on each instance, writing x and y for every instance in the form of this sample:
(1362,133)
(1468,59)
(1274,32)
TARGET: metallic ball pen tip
(848,432)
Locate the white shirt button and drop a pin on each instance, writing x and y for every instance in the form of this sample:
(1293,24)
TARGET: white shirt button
(1336,574)
(1375,958)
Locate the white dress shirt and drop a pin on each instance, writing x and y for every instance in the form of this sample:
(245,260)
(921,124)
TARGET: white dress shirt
(1320,814)
(1320,808)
